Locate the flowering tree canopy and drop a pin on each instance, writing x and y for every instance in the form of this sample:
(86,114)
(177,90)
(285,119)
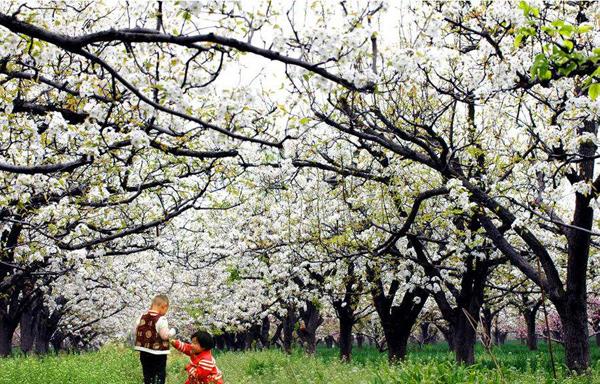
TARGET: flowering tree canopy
(304,159)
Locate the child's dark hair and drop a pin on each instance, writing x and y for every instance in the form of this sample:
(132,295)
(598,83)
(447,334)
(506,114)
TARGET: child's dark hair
(205,339)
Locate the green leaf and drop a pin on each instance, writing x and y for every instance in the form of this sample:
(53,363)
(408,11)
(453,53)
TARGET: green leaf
(594,91)
(566,30)
(529,10)
(549,30)
(584,28)
(304,120)
(568,44)
(530,31)
(566,71)
(525,7)
(518,40)
(540,67)
(545,74)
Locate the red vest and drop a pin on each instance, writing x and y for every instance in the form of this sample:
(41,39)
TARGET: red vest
(146,335)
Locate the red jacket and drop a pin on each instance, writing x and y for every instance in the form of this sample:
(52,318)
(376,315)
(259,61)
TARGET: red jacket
(202,368)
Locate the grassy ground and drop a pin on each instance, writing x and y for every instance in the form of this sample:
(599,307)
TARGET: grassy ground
(431,364)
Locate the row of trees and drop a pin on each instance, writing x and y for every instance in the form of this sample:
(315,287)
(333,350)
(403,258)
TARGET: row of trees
(359,172)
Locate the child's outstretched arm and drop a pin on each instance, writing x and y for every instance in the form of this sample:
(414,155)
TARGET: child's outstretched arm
(186,348)
(182,347)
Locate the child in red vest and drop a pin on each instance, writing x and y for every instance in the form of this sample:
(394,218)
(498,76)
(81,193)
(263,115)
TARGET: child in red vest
(202,368)
(152,340)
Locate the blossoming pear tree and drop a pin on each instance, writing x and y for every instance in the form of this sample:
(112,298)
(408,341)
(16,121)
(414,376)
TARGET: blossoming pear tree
(502,104)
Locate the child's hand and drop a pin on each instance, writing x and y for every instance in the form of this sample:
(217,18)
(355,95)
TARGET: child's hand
(173,342)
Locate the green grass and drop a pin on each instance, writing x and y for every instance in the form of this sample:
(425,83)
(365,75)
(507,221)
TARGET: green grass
(431,364)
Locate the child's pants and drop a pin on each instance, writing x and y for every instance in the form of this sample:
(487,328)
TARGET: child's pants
(154,368)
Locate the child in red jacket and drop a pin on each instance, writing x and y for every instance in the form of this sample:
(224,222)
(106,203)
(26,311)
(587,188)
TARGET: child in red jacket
(202,368)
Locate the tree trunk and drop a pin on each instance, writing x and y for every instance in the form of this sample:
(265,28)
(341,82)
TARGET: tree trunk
(275,340)
(530,317)
(11,299)
(501,337)
(573,316)
(464,340)
(264,332)
(397,344)
(396,320)
(448,334)
(425,334)
(467,312)
(42,344)
(311,320)
(229,341)
(329,341)
(7,329)
(42,340)
(310,340)
(345,308)
(253,336)
(360,340)
(572,307)
(27,327)
(57,340)
(220,342)
(346,339)
(462,330)
(469,299)
(289,323)
(249,338)
(596,327)
(30,318)
(240,340)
